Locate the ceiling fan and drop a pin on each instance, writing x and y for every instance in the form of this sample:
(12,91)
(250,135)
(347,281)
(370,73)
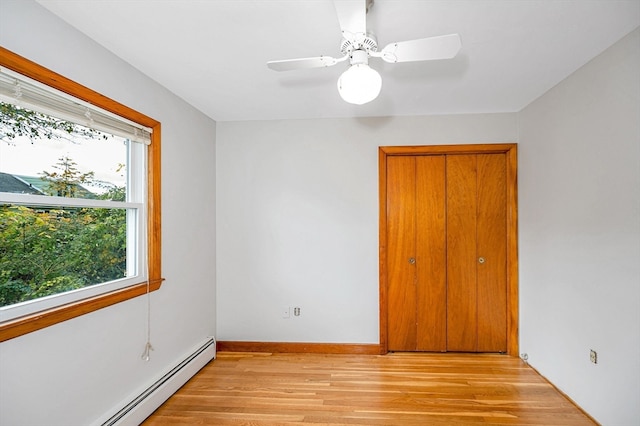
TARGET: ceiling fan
(360,83)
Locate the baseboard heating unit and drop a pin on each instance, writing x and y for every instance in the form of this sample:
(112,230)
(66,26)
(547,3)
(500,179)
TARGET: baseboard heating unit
(151,398)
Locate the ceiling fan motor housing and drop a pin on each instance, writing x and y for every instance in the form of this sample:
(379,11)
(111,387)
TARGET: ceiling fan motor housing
(365,42)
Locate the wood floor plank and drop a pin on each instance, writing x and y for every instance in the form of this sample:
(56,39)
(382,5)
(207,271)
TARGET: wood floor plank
(394,389)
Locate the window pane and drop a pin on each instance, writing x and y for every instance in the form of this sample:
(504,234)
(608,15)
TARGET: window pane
(45,251)
(47,156)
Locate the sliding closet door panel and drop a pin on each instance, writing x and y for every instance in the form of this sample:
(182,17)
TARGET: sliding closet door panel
(431,292)
(401,240)
(462,323)
(492,247)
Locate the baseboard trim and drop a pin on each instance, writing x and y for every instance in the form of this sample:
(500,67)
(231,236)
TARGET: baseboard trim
(296,347)
(134,409)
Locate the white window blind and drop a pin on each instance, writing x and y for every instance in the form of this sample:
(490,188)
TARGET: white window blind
(26,93)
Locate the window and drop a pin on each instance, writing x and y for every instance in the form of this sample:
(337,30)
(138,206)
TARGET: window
(93,226)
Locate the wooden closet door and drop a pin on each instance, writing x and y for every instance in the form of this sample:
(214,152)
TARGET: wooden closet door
(492,248)
(476,253)
(462,330)
(401,237)
(446,253)
(431,256)
(416,220)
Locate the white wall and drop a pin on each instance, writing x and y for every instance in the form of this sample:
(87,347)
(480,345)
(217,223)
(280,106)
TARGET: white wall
(579,185)
(297,220)
(75,372)
(297,225)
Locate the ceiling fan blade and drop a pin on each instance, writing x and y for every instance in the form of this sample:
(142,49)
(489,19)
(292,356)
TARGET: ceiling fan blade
(423,49)
(352,16)
(302,63)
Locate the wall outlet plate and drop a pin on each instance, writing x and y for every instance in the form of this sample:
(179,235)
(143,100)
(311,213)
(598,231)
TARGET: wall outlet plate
(593,356)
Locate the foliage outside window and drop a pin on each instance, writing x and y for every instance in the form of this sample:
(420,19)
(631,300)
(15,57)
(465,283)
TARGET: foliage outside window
(71,239)
(45,249)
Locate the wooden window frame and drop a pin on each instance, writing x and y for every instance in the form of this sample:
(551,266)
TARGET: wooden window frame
(39,320)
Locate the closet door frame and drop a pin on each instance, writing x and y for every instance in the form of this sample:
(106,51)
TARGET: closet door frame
(511,157)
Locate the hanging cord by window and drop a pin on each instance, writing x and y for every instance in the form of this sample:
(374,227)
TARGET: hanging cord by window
(146,355)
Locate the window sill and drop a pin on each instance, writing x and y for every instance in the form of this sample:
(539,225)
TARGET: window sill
(39,320)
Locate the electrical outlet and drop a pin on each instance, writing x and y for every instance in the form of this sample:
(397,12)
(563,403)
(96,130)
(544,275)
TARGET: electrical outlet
(593,356)
(285,312)
(296,311)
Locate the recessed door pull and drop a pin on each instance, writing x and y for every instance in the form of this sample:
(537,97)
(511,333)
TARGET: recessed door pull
(412,260)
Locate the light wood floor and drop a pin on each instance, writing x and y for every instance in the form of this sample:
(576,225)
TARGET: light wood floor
(394,389)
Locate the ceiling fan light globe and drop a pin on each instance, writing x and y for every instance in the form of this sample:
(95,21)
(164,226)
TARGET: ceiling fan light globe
(359,84)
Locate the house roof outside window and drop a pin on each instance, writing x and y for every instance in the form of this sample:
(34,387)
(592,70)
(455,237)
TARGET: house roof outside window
(19,184)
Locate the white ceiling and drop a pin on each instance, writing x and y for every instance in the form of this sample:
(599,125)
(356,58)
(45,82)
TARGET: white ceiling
(213,53)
